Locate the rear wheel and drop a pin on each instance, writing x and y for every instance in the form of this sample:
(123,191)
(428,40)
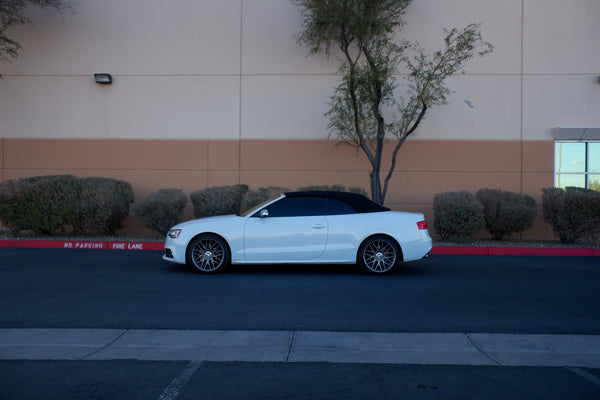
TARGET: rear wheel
(208,253)
(379,255)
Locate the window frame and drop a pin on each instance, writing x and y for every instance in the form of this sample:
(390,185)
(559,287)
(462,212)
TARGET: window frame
(317,212)
(331,208)
(586,173)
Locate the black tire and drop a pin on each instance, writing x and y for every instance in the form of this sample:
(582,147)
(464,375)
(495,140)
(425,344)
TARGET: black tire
(379,255)
(208,254)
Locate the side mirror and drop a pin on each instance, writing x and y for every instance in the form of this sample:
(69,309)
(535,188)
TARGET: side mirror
(264,213)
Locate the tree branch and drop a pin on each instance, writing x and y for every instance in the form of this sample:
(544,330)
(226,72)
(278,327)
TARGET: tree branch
(399,144)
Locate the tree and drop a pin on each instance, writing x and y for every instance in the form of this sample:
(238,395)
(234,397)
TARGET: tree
(12,13)
(363,31)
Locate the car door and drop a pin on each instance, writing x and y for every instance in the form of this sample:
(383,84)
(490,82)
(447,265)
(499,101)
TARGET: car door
(292,229)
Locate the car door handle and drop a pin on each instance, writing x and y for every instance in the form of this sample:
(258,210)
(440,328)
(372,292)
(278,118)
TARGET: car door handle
(318,226)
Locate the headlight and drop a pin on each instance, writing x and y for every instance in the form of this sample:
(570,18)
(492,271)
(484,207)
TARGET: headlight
(174,233)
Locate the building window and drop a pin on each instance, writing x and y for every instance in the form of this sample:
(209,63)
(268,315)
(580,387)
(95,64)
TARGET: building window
(577,163)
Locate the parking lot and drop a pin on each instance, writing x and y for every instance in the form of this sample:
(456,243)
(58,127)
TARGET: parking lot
(449,297)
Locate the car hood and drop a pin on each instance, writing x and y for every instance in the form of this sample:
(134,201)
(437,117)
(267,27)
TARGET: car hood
(218,218)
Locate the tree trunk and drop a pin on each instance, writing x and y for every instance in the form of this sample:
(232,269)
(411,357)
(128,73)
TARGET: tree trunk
(376,193)
(376,188)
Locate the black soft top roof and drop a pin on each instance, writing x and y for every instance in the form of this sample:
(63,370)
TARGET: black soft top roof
(358,202)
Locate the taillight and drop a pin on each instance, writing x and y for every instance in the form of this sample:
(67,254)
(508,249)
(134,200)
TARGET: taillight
(422,225)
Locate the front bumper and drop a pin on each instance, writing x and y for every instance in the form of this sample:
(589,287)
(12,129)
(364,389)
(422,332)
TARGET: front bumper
(174,251)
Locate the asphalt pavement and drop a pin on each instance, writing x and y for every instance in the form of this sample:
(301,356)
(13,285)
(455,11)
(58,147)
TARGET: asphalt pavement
(189,380)
(46,288)
(501,326)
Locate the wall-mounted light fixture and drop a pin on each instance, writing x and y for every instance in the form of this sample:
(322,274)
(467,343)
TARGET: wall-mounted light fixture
(103,78)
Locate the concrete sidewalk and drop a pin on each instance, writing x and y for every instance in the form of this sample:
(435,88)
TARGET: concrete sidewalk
(302,346)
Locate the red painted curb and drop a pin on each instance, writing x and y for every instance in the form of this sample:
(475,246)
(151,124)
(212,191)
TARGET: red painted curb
(75,244)
(450,250)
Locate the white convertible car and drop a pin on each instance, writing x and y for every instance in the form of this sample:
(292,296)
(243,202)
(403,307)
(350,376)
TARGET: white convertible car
(303,227)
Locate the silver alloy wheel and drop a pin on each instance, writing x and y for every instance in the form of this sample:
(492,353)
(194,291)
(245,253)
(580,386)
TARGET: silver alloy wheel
(208,253)
(379,255)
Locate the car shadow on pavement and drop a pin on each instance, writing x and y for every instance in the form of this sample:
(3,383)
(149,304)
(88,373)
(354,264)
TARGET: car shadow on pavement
(405,269)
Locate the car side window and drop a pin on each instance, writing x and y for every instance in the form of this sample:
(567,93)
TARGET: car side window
(296,207)
(338,207)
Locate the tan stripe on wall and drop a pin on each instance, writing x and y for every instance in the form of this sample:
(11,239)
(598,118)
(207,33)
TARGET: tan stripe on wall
(424,168)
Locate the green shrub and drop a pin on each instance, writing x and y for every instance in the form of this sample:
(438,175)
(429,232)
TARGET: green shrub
(323,188)
(506,212)
(260,195)
(218,200)
(457,215)
(573,213)
(334,188)
(46,204)
(103,205)
(161,210)
(43,204)
(358,190)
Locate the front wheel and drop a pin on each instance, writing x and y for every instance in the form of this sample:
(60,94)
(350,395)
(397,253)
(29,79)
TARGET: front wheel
(379,255)
(208,253)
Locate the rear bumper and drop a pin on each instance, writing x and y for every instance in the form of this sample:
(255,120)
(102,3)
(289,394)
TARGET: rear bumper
(417,249)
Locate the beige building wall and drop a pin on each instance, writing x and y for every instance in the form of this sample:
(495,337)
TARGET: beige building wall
(218,92)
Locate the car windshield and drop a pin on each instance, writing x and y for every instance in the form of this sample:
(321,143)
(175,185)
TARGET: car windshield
(258,206)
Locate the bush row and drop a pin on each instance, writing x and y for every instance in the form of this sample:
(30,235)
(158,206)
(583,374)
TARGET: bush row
(47,204)
(61,203)
(462,215)
(573,213)
(163,209)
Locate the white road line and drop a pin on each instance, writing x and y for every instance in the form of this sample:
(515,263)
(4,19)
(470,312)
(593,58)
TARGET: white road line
(593,379)
(177,384)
